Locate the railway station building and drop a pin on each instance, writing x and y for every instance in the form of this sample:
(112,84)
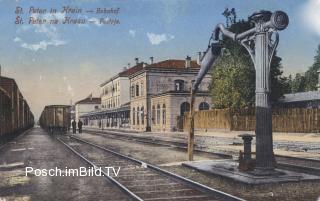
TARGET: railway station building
(86,105)
(149,97)
(115,102)
(160,94)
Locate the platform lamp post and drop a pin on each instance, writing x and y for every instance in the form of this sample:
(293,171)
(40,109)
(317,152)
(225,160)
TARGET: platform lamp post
(260,45)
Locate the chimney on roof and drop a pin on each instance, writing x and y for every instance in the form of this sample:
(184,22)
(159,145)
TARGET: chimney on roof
(199,58)
(128,65)
(124,69)
(151,60)
(188,62)
(137,60)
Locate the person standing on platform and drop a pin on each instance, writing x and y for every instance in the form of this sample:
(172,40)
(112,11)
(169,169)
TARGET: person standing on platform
(74,127)
(80,126)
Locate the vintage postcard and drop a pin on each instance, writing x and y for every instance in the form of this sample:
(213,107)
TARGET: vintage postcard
(160,100)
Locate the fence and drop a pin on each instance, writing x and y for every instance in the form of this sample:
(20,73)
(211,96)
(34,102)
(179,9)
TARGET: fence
(300,120)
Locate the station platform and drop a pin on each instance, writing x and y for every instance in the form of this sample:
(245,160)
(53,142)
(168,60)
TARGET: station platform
(302,145)
(228,168)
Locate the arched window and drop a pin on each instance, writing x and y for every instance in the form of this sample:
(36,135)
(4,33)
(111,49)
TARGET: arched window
(158,114)
(184,107)
(138,116)
(178,85)
(142,115)
(164,114)
(137,90)
(133,116)
(204,106)
(153,114)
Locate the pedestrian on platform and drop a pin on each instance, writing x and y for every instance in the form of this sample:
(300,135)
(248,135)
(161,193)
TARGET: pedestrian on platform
(74,127)
(80,126)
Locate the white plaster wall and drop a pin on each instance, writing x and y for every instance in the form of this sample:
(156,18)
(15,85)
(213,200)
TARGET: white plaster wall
(81,109)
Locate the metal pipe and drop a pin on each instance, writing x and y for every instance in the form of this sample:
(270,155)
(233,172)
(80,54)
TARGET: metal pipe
(208,59)
(221,28)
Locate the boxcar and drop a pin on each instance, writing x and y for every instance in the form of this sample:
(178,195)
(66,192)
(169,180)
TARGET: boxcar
(15,114)
(5,113)
(56,118)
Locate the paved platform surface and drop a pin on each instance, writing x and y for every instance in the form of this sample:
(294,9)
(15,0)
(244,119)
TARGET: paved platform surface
(229,169)
(38,150)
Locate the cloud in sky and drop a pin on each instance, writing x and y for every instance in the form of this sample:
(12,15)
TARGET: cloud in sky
(42,44)
(50,32)
(132,33)
(156,39)
(17,39)
(311,15)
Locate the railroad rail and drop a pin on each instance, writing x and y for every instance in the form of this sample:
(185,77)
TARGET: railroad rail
(140,180)
(304,165)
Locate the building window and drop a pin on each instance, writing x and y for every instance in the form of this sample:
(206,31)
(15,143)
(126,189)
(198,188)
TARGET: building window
(184,107)
(153,114)
(178,85)
(158,114)
(138,116)
(142,89)
(204,106)
(164,114)
(132,91)
(137,90)
(142,115)
(133,116)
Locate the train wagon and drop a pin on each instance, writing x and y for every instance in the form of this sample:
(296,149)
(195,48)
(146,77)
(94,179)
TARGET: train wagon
(15,114)
(56,118)
(5,114)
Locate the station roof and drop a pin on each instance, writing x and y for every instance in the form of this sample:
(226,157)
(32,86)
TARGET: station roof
(173,64)
(166,64)
(300,97)
(125,73)
(57,106)
(123,108)
(89,100)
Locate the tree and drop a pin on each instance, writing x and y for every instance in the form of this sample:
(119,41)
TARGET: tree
(233,78)
(309,81)
(298,84)
(311,75)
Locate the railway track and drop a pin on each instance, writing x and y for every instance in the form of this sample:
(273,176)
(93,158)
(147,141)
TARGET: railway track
(140,180)
(304,165)
(174,144)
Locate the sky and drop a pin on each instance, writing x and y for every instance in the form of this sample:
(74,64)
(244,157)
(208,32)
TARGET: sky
(60,63)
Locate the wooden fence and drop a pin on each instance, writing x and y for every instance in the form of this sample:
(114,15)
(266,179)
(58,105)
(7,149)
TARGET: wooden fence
(300,120)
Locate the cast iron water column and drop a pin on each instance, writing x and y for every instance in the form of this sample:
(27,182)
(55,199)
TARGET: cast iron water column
(262,60)
(260,45)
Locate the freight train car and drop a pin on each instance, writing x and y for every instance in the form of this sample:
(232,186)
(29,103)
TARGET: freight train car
(15,114)
(56,118)
(5,113)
